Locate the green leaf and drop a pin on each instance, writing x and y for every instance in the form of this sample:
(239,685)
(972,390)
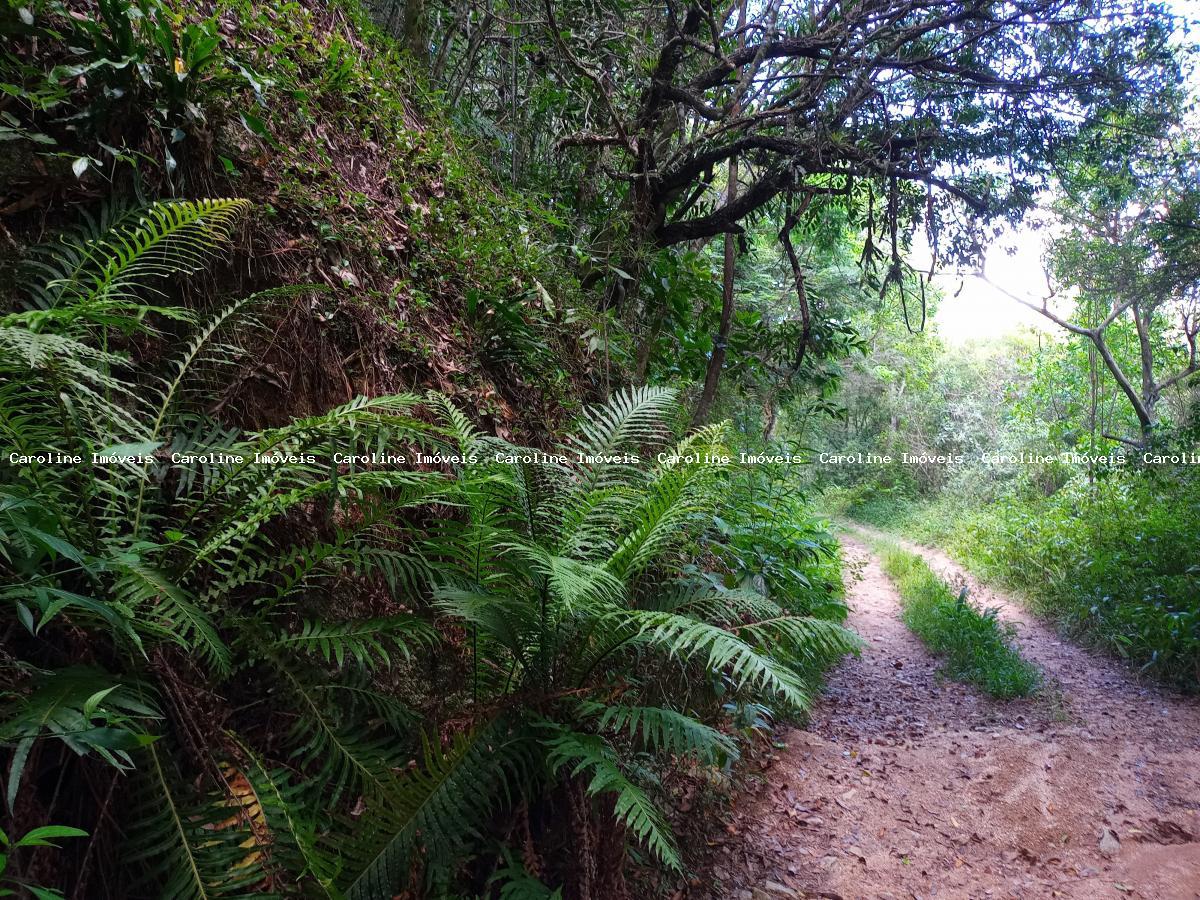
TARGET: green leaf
(40,837)
(17,769)
(255,125)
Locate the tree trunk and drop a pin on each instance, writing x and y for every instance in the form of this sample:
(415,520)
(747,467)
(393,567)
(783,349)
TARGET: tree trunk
(1145,421)
(646,349)
(712,376)
(1150,390)
(716,361)
(416,37)
(894,422)
(770,416)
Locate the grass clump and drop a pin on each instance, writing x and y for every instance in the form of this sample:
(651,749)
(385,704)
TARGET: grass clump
(1112,563)
(976,645)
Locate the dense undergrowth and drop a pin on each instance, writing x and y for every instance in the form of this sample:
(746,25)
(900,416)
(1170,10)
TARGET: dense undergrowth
(240,667)
(976,645)
(306,660)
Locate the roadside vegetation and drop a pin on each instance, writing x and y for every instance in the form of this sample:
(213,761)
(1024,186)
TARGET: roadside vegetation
(587,624)
(1100,550)
(976,644)
(373,380)
(1109,563)
(1072,450)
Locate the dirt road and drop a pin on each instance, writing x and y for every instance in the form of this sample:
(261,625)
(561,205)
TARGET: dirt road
(910,786)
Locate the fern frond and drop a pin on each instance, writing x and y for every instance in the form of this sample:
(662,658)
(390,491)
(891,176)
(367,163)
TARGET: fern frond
(200,437)
(282,573)
(662,730)
(631,419)
(720,651)
(707,441)
(64,256)
(171,611)
(49,370)
(245,521)
(200,348)
(389,417)
(508,621)
(711,603)
(682,489)
(515,882)
(590,522)
(466,438)
(369,642)
(170,237)
(49,601)
(190,847)
(341,755)
(591,755)
(407,573)
(368,704)
(289,821)
(573,583)
(672,501)
(803,640)
(194,350)
(440,806)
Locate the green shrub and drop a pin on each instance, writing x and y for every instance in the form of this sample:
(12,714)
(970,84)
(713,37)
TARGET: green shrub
(770,542)
(869,503)
(976,645)
(1112,562)
(934,522)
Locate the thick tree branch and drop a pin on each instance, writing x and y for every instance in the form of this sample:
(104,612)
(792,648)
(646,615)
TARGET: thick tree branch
(725,219)
(1042,309)
(800,47)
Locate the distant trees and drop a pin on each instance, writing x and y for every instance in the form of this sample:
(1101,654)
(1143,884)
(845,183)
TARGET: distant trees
(1129,253)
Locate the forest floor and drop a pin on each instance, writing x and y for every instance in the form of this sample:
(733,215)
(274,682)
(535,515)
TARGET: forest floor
(908,785)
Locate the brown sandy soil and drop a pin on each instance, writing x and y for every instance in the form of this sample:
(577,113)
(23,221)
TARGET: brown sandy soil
(910,786)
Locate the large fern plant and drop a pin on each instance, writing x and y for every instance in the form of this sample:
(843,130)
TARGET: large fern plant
(168,569)
(265,673)
(586,651)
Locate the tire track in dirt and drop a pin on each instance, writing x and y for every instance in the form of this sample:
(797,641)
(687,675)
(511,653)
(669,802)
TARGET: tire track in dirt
(906,785)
